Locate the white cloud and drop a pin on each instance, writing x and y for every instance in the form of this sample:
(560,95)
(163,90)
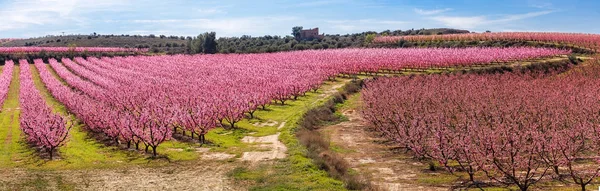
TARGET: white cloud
(211,11)
(431,12)
(479,21)
(26,18)
(516,17)
(361,25)
(224,27)
(461,22)
(27,13)
(256,26)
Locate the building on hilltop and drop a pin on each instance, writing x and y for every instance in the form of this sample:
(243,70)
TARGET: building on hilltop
(311,34)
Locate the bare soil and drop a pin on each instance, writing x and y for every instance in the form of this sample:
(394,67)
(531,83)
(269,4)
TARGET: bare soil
(370,155)
(205,175)
(275,148)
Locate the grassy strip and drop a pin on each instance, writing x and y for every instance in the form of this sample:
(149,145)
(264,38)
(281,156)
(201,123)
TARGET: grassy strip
(297,171)
(319,148)
(310,165)
(303,169)
(80,150)
(172,150)
(13,152)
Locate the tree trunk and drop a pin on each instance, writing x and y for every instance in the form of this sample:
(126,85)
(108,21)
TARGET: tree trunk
(50,152)
(137,145)
(523,188)
(147,148)
(582,187)
(251,114)
(129,144)
(555,168)
(201,139)
(154,151)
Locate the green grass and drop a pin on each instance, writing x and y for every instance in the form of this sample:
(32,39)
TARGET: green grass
(84,152)
(437,178)
(340,149)
(296,172)
(80,150)
(12,152)
(353,102)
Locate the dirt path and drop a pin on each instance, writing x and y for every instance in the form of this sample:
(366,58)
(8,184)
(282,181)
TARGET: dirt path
(269,146)
(332,90)
(189,177)
(275,149)
(204,175)
(208,172)
(368,154)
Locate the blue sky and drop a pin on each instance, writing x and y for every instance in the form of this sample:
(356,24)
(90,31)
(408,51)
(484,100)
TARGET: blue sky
(31,18)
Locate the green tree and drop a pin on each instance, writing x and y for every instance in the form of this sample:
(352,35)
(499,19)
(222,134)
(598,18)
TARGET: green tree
(296,31)
(188,46)
(204,43)
(209,44)
(369,38)
(197,44)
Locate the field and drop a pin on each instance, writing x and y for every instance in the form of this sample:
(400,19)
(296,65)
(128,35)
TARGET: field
(486,118)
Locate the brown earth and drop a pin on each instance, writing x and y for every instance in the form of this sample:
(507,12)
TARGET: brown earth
(370,155)
(209,175)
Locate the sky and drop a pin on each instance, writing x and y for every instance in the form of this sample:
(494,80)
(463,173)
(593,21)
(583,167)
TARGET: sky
(35,18)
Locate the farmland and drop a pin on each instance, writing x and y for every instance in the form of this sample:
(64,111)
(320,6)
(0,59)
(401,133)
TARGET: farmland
(444,118)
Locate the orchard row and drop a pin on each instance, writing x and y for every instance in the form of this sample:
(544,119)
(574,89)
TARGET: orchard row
(36,50)
(516,129)
(591,41)
(142,100)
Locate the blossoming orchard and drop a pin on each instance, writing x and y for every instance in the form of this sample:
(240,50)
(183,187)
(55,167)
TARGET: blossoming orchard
(521,117)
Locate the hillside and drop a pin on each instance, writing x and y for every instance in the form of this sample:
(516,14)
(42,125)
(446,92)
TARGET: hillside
(243,44)
(160,43)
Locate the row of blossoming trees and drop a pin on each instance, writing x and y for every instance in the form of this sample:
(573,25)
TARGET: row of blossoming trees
(31,50)
(516,129)
(591,41)
(5,79)
(144,100)
(42,127)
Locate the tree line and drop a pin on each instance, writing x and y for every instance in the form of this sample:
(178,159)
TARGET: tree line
(207,43)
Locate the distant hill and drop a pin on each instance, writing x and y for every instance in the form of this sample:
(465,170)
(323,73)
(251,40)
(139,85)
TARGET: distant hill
(160,43)
(248,44)
(243,44)
(435,31)
(4,40)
